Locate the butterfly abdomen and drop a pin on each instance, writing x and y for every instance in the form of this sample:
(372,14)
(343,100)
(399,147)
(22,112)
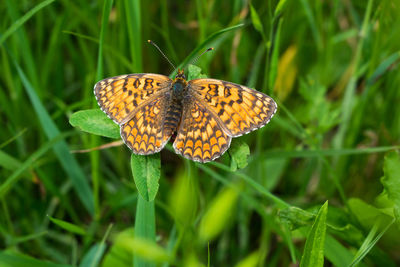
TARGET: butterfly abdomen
(173,116)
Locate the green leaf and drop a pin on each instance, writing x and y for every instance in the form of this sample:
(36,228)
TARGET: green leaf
(314,248)
(146,173)
(68,226)
(391,180)
(255,19)
(239,152)
(336,253)
(95,121)
(218,215)
(295,217)
(367,214)
(12,259)
(195,72)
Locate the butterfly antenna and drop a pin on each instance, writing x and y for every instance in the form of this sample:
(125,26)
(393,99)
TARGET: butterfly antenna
(156,46)
(197,58)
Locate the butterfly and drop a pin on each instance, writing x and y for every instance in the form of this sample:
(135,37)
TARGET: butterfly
(204,114)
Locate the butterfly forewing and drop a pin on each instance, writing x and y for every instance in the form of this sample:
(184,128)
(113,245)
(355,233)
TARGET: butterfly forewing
(238,108)
(119,96)
(200,137)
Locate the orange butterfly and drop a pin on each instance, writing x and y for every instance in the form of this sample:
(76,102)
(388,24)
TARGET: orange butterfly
(204,113)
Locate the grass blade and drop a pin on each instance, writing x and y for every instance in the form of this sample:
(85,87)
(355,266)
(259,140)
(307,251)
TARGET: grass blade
(314,249)
(207,42)
(370,241)
(68,162)
(72,228)
(23,19)
(20,260)
(134,24)
(11,180)
(326,152)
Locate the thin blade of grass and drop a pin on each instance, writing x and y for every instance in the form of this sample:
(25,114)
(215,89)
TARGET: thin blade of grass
(326,152)
(94,140)
(370,241)
(70,227)
(94,255)
(13,178)
(23,19)
(349,95)
(134,24)
(207,42)
(20,260)
(68,162)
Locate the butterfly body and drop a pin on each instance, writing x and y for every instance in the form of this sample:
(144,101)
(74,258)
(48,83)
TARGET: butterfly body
(204,114)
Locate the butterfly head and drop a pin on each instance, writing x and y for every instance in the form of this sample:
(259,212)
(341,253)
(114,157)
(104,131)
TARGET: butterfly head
(180,75)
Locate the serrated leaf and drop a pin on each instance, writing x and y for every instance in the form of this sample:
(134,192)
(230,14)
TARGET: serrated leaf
(239,152)
(146,173)
(313,254)
(68,226)
(95,121)
(391,180)
(195,72)
(295,217)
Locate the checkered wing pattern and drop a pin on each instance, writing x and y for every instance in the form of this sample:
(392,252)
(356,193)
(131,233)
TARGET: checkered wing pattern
(120,96)
(200,136)
(145,133)
(238,109)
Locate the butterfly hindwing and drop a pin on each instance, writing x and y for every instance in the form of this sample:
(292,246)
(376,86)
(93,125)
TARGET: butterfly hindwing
(145,133)
(199,137)
(119,96)
(239,108)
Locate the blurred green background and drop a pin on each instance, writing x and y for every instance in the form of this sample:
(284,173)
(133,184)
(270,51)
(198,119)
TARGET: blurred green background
(332,67)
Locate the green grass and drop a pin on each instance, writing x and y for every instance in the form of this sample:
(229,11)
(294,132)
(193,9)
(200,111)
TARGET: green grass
(332,67)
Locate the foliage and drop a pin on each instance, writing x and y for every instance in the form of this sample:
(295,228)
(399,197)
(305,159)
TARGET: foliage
(332,67)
